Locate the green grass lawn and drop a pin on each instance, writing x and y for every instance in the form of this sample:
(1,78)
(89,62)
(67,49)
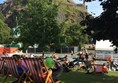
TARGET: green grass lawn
(9,80)
(81,77)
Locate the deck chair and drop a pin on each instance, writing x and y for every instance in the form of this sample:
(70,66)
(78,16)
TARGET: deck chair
(98,68)
(37,69)
(46,68)
(1,66)
(12,69)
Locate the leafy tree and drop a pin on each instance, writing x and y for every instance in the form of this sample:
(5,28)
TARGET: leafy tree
(38,23)
(1,17)
(71,31)
(104,26)
(74,35)
(4,31)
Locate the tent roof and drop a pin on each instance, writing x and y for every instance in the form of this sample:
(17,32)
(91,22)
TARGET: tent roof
(104,45)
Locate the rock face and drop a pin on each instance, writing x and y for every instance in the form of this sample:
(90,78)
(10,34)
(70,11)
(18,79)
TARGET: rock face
(72,12)
(67,11)
(9,10)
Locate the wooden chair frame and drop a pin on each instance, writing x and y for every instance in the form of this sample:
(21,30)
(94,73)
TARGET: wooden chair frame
(12,69)
(1,66)
(36,67)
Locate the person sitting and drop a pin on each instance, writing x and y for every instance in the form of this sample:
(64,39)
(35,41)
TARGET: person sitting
(19,68)
(105,68)
(56,72)
(90,67)
(49,62)
(54,55)
(55,66)
(82,66)
(46,76)
(114,65)
(90,70)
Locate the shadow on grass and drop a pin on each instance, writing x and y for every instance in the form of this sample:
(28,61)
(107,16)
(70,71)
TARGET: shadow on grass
(81,77)
(9,80)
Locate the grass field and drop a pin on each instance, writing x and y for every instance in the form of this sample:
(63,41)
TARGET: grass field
(81,77)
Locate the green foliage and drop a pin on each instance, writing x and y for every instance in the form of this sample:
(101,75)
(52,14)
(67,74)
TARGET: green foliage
(105,26)
(4,31)
(1,16)
(75,35)
(72,35)
(71,32)
(38,23)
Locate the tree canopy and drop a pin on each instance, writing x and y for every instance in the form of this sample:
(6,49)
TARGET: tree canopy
(4,31)
(38,23)
(74,35)
(104,26)
(46,22)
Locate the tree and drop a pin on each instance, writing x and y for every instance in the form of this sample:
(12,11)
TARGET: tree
(72,35)
(5,31)
(38,23)
(104,26)
(75,37)
(71,31)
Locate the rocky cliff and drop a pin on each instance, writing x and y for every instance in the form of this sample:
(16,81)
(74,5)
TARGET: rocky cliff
(68,11)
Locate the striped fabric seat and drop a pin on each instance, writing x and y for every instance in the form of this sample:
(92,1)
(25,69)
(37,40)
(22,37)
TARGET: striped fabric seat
(11,65)
(1,66)
(36,68)
(12,69)
(98,68)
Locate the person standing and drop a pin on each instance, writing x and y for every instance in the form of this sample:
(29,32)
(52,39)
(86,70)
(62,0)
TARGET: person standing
(86,53)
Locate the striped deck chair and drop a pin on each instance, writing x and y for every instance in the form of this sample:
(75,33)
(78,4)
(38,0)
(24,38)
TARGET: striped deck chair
(12,69)
(36,69)
(1,66)
(98,68)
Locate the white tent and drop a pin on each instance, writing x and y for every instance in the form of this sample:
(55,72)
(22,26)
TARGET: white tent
(104,45)
(104,49)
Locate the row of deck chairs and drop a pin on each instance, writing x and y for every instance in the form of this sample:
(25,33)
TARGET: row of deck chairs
(36,68)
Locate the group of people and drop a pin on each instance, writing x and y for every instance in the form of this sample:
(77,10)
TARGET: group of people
(54,66)
(113,65)
(89,65)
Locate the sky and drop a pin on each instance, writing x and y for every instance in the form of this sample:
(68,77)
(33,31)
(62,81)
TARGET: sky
(94,7)
(1,1)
